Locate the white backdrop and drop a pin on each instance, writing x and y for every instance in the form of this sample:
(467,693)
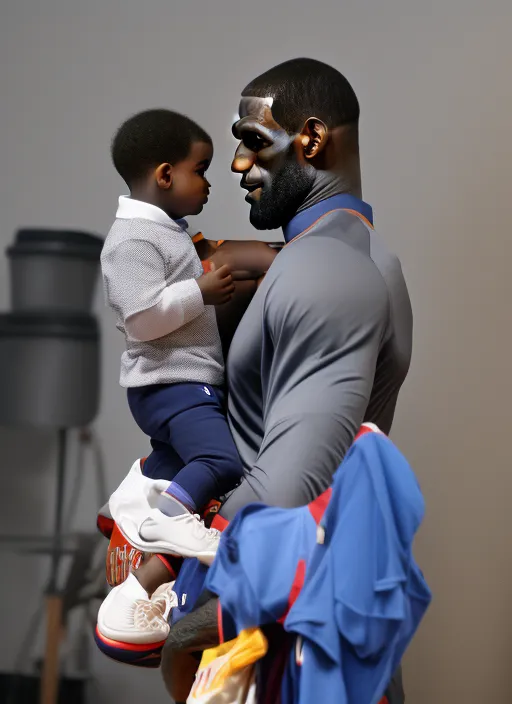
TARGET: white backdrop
(436,97)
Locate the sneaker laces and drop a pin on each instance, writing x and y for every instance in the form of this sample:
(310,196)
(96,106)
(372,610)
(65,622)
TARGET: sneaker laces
(150,615)
(165,596)
(212,535)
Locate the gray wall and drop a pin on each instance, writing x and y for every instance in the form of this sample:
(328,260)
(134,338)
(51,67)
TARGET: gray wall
(434,84)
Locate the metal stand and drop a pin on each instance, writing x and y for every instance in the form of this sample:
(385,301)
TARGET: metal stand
(60,598)
(54,598)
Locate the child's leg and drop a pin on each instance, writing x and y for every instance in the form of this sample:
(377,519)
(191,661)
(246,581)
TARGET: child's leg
(200,434)
(190,419)
(163,463)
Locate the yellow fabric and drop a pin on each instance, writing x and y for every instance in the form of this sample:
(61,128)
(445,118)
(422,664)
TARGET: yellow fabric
(225,671)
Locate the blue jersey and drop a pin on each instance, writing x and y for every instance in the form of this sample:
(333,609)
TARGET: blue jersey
(300,530)
(363,595)
(188,586)
(261,564)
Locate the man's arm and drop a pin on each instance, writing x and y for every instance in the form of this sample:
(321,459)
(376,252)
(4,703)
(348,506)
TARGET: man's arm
(324,320)
(197,630)
(247,259)
(248,262)
(192,634)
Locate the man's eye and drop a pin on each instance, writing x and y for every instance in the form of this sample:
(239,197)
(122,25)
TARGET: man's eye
(254,141)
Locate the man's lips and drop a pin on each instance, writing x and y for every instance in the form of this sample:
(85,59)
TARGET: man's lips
(253,191)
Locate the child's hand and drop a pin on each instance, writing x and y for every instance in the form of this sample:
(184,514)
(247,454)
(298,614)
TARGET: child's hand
(216,286)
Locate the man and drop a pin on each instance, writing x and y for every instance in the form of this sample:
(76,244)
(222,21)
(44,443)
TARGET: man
(325,343)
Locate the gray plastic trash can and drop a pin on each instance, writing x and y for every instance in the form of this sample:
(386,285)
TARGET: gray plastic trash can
(49,370)
(54,270)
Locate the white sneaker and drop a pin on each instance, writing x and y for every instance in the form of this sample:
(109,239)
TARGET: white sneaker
(128,615)
(184,535)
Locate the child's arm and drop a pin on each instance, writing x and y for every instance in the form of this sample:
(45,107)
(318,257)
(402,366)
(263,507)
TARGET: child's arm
(247,260)
(136,288)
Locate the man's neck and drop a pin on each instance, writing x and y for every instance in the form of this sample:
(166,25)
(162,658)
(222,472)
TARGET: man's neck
(328,184)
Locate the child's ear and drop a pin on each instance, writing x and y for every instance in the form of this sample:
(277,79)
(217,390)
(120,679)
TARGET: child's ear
(164,176)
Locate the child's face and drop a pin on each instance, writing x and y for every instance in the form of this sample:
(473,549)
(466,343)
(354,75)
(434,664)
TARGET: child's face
(190,189)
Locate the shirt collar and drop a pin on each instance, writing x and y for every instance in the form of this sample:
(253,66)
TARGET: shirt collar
(302,221)
(130,208)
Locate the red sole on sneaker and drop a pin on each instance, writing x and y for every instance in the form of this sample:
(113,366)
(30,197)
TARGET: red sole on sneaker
(147,655)
(122,558)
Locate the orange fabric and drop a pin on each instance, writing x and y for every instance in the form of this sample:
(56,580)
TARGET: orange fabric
(198,237)
(207,266)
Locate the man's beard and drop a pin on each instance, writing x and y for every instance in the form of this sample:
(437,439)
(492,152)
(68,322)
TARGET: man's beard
(286,193)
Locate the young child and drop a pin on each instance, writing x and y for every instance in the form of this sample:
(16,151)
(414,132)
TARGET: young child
(154,280)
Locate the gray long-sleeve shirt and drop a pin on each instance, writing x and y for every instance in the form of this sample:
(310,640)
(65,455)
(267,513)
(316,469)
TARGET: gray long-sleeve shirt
(324,345)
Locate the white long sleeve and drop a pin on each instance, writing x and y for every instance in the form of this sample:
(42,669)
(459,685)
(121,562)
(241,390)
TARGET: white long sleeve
(178,304)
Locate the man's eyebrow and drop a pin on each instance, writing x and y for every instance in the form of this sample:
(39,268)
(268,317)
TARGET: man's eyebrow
(203,162)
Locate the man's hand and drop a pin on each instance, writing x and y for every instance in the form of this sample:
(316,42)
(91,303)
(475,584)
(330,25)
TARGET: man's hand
(193,633)
(216,286)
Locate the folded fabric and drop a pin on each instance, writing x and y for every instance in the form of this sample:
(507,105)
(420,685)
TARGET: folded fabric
(226,673)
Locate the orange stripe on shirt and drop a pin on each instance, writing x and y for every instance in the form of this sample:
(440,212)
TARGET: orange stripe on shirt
(347,210)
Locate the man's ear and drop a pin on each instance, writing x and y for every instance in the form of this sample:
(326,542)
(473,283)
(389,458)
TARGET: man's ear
(313,137)
(164,176)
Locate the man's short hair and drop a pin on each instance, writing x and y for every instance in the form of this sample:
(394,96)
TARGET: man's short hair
(151,138)
(304,88)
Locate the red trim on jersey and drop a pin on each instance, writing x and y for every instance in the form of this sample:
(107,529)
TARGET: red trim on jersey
(297,584)
(367,428)
(220,626)
(318,506)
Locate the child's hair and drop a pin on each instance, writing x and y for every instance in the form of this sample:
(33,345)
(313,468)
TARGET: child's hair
(151,138)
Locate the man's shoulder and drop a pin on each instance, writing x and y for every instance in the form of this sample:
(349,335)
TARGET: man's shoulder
(323,265)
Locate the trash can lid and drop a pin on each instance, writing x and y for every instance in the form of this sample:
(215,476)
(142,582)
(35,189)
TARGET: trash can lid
(49,324)
(61,242)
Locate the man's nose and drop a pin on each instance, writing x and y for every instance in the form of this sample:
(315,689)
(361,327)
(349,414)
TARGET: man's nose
(243,160)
